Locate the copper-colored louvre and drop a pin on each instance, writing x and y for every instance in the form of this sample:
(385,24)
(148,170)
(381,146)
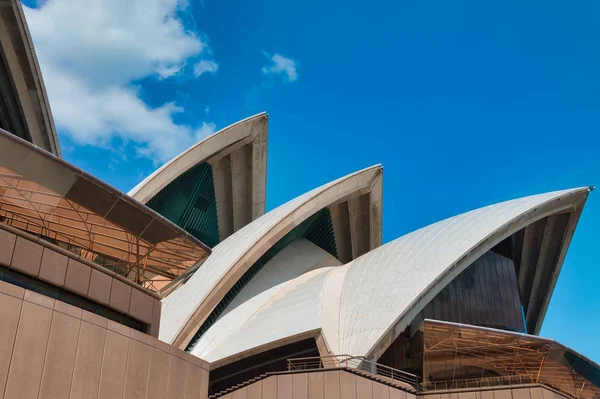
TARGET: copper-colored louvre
(45,196)
(463,356)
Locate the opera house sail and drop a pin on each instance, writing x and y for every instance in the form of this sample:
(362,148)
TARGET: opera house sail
(190,287)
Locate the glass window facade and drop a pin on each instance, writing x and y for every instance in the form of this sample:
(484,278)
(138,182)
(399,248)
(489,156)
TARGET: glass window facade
(189,202)
(485,294)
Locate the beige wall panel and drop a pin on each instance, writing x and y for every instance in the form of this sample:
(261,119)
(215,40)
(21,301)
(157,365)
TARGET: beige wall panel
(30,346)
(522,393)
(300,386)
(254,391)
(316,389)
(78,277)
(398,394)
(452,395)
(194,381)
(53,268)
(7,245)
(120,296)
(269,388)
(27,256)
(67,309)
(114,365)
(141,306)
(158,379)
(205,378)
(470,395)
(380,391)
(487,394)
(410,396)
(504,394)
(177,378)
(10,308)
(12,290)
(364,388)
(138,366)
(347,385)
(285,386)
(239,394)
(60,356)
(88,361)
(536,393)
(154,327)
(331,381)
(100,285)
(39,299)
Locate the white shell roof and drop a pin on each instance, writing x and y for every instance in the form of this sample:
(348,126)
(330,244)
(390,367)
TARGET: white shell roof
(279,289)
(356,305)
(243,248)
(382,286)
(199,152)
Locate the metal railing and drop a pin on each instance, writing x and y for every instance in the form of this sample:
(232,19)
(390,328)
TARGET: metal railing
(359,363)
(484,382)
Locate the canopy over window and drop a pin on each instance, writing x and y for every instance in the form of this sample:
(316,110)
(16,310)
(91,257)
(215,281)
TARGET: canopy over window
(45,196)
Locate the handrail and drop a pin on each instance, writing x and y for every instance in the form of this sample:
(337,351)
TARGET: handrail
(359,363)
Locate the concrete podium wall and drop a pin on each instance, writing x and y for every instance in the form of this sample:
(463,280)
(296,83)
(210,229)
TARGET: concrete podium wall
(49,349)
(340,384)
(337,384)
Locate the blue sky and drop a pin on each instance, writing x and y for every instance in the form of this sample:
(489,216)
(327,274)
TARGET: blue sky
(465,103)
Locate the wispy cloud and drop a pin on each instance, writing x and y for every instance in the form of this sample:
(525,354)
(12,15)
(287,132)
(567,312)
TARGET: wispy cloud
(281,65)
(92,53)
(205,66)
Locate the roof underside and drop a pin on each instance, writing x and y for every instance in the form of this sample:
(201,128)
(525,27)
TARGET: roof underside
(215,187)
(24,107)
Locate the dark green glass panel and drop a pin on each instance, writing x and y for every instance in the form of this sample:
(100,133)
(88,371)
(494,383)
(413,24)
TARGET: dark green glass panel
(318,229)
(189,202)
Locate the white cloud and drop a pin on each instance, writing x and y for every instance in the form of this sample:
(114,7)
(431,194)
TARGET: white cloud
(281,65)
(205,66)
(92,52)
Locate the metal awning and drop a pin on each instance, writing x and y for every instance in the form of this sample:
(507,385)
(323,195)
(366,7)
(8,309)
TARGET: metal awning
(465,356)
(50,198)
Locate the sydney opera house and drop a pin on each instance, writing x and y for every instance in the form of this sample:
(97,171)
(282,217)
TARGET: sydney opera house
(186,287)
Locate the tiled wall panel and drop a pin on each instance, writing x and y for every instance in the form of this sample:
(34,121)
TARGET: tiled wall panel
(49,349)
(59,268)
(341,384)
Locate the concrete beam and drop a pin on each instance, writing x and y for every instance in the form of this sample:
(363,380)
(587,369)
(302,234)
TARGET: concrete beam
(241,187)
(550,248)
(532,242)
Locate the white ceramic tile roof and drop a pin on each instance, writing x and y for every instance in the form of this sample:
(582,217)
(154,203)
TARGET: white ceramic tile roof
(296,259)
(294,310)
(384,285)
(197,153)
(243,248)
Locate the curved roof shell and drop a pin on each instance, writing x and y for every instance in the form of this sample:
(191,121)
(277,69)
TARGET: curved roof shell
(24,107)
(365,304)
(225,173)
(386,288)
(185,309)
(282,300)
